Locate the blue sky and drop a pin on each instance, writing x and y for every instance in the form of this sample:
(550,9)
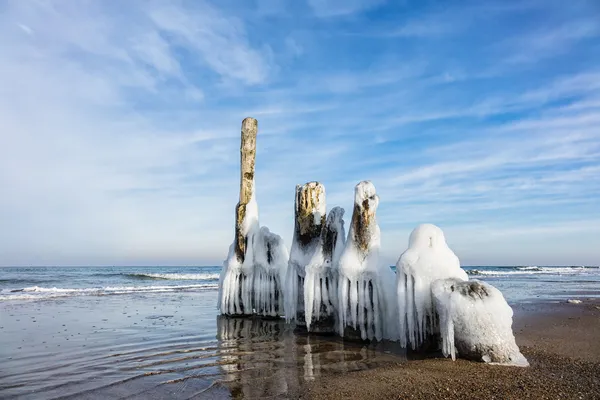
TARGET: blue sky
(119,124)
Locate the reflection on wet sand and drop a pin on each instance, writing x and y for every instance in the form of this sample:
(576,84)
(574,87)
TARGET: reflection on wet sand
(266,357)
(163,347)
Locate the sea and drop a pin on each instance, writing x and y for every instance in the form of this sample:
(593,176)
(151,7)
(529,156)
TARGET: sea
(155,333)
(517,283)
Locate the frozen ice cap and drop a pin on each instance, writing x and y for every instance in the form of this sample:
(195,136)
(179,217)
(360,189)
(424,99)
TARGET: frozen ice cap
(427,258)
(475,322)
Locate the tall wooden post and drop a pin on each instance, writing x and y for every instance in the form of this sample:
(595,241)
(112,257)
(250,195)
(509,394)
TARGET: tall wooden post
(248,159)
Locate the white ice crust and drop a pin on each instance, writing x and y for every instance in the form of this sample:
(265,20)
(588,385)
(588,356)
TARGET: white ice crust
(344,279)
(270,263)
(475,322)
(427,258)
(321,279)
(237,279)
(256,284)
(366,287)
(300,256)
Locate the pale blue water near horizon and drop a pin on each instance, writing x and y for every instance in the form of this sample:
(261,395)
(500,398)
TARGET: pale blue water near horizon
(518,283)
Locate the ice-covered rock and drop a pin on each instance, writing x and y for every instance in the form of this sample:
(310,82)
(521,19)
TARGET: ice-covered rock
(321,279)
(427,258)
(366,287)
(475,322)
(309,219)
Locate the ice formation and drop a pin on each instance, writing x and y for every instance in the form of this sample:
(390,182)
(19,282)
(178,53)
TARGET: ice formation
(237,276)
(309,212)
(270,262)
(365,288)
(251,278)
(475,322)
(427,258)
(321,275)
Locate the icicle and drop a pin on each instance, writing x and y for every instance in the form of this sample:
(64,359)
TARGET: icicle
(320,285)
(428,258)
(270,261)
(362,278)
(309,216)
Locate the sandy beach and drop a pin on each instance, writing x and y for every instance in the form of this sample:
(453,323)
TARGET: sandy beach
(175,346)
(560,341)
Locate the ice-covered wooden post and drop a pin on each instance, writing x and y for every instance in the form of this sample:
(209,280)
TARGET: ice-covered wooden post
(235,284)
(365,295)
(309,216)
(321,280)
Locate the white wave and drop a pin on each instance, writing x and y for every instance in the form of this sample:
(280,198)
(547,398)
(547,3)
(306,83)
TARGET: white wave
(179,277)
(529,271)
(531,268)
(39,293)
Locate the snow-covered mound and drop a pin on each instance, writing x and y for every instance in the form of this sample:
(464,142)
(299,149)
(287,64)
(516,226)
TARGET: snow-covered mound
(270,263)
(321,279)
(309,216)
(365,286)
(427,258)
(475,322)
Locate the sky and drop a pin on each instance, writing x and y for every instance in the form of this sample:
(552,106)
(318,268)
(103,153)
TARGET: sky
(120,124)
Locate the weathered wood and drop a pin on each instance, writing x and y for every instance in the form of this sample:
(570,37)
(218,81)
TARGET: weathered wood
(363,216)
(310,200)
(309,219)
(248,159)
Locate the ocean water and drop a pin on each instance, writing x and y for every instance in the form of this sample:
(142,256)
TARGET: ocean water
(44,283)
(154,333)
(518,283)
(524,284)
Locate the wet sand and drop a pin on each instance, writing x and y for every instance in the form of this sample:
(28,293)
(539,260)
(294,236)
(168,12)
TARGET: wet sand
(561,342)
(175,346)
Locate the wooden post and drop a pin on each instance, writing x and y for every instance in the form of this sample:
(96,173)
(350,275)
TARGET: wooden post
(248,159)
(363,216)
(360,298)
(236,282)
(321,281)
(309,219)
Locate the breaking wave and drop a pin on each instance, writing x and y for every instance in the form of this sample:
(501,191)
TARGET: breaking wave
(41,293)
(530,270)
(176,277)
